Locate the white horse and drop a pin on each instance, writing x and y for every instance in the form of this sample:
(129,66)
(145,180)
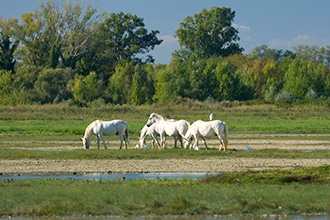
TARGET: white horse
(152,131)
(202,129)
(169,127)
(100,128)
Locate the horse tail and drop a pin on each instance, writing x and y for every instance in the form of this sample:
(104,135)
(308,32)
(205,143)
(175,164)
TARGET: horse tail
(225,133)
(126,134)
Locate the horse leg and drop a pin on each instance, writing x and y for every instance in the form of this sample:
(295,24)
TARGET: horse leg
(126,141)
(98,141)
(175,140)
(154,137)
(222,145)
(196,142)
(121,141)
(163,139)
(152,143)
(204,142)
(180,139)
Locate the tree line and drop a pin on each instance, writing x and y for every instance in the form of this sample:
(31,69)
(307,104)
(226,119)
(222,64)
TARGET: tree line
(70,53)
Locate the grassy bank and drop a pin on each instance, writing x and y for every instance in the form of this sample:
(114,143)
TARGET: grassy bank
(303,190)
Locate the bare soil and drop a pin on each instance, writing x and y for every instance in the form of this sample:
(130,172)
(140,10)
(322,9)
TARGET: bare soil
(151,166)
(175,165)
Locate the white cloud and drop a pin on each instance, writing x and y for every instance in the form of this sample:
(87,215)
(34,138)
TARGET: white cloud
(280,43)
(168,40)
(304,39)
(241,27)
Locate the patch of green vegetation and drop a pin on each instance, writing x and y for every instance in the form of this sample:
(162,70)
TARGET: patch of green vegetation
(65,119)
(302,190)
(172,153)
(315,175)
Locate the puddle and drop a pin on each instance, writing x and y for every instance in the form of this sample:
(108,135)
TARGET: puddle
(106,176)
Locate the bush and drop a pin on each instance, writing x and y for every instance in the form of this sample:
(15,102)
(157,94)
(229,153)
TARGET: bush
(284,97)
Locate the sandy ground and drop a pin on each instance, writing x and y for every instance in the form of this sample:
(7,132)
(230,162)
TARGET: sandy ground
(174,165)
(169,165)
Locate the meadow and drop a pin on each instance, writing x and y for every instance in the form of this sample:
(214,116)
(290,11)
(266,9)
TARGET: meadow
(42,132)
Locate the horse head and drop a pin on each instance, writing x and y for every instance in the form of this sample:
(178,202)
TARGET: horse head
(152,119)
(187,140)
(86,142)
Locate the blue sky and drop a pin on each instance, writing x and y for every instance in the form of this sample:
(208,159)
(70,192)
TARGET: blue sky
(281,24)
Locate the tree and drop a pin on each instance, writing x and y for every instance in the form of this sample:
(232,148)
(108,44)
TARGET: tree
(229,86)
(172,81)
(203,82)
(263,52)
(51,85)
(141,86)
(124,37)
(298,77)
(165,91)
(120,84)
(9,93)
(56,34)
(8,44)
(86,88)
(209,34)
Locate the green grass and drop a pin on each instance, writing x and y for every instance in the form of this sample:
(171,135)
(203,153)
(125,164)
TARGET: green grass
(160,154)
(303,190)
(64,119)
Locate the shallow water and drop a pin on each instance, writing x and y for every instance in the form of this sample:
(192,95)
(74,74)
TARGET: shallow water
(105,176)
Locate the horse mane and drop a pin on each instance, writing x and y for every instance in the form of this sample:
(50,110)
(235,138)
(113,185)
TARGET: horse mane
(158,116)
(89,130)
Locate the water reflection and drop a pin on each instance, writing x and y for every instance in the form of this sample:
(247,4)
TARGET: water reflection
(106,176)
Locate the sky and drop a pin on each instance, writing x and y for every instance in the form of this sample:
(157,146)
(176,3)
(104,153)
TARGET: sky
(280,24)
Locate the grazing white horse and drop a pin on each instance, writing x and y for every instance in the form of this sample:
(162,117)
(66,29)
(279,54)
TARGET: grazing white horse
(168,127)
(202,129)
(152,132)
(100,128)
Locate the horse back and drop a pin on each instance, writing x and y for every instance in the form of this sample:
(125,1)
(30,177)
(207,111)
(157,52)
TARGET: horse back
(114,127)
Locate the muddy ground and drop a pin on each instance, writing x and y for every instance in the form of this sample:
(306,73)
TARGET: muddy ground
(175,165)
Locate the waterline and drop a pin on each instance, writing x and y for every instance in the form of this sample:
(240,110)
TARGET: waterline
(106,176)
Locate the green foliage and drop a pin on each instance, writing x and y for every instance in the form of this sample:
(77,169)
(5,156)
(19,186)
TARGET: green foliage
(8,44)
(298,78)
(86,89)
(52,84)
(125,36)
(119,88)
(209,33)
(142,87)
(51,36)
(171,81)
(9,94)
(109,58)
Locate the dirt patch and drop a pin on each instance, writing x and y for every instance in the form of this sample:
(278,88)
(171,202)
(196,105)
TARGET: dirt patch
(239,142)
(156,165)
